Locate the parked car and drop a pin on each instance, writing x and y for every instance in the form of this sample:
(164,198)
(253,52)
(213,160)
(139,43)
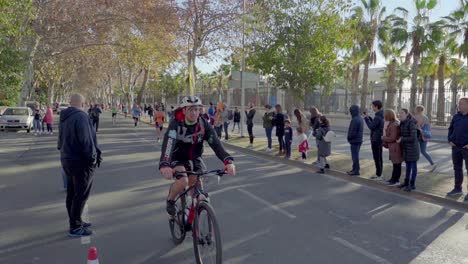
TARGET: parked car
(17,118)
(62,107)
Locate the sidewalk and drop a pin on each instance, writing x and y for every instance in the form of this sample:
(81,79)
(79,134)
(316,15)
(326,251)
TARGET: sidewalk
(430,185)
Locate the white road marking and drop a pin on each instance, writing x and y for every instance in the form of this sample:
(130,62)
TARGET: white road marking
(361,251)
(272,206)
(378,208)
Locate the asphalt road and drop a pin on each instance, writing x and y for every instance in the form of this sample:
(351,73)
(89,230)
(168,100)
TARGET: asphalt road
(268,213)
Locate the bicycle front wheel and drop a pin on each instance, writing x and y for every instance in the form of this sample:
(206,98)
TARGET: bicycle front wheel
(206,236)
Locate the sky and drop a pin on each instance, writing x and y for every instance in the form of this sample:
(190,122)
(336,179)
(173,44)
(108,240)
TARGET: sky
(443,8)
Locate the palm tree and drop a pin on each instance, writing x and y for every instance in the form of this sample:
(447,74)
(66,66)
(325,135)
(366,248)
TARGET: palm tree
(457,25)
(392,42)
(429,70)
(402,73)
(455,68)
(446,47)
(375,12)
(417,34)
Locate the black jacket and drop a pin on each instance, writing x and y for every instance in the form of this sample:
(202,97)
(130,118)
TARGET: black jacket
(457,132)
(184,142)
(77,139)
(376,126)
(356,126)
(237,117)
(409,139)
(278,122)
(250,116)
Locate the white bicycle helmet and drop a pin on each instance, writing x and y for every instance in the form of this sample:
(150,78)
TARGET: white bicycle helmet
(190,100)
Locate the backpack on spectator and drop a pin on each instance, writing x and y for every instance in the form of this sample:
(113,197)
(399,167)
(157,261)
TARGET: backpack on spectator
(426,132)
(330,136)
(230,115)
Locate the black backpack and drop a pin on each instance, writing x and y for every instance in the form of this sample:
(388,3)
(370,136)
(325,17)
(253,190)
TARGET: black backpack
(230,115)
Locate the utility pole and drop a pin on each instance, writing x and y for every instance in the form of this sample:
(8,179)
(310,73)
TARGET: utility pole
(242,73)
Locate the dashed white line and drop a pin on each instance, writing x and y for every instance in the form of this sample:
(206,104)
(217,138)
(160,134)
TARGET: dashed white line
(272,206)
(361,251)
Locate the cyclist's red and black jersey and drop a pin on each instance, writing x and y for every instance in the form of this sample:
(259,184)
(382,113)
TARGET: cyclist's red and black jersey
(183,142)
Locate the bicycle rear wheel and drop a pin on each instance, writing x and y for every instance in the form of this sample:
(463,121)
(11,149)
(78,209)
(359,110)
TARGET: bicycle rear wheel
(206,236)
(177,223)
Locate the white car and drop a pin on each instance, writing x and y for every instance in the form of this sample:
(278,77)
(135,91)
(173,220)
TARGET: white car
(62,107)
(17,118)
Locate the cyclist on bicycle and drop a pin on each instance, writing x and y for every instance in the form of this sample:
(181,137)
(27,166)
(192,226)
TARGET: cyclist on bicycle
(182,147)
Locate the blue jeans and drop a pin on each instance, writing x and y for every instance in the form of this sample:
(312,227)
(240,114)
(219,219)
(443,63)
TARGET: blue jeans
(226,128)
(287,146)
(37,125)
(411,170)
(268,135)
(423,146)
(355,148)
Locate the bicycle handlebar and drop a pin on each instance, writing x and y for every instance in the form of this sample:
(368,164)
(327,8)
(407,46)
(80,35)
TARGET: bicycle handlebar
(218,172)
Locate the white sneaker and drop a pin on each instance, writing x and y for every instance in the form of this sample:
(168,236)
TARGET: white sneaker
(268,150)
(250,146)
(159,140)
(35,134)
(433,168)
(376,178)
(396,184)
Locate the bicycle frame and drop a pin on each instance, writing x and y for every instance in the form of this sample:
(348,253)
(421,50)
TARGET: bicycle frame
(198,193)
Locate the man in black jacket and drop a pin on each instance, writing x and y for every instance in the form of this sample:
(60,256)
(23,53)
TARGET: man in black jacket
(376,126)
(458,139)
(355,134)
(79,155)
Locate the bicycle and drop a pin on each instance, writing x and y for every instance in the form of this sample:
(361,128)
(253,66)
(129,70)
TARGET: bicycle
(190,219)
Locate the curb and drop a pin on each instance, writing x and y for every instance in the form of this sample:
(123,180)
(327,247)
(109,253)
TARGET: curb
(423,196)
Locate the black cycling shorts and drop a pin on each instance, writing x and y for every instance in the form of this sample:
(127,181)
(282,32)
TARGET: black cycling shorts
(114,114)
(197,165)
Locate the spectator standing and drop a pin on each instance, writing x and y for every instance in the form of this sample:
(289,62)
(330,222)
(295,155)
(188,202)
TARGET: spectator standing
(49,120)
(225,116)
(410,146)
(301,120)
(268,125)
(237,119)
(218,123)
(376,126)
(324,147)
(278,122)
(288,138)
(211,113)
(79,155)
(458,140)
(314,125)
(391,136)
(300,141)
(250,116)
(355,135)
(425,126)
(37,122)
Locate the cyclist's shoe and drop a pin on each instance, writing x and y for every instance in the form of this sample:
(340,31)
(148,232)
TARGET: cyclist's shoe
(170,207)
(85,224)
(80,232)
(188,227)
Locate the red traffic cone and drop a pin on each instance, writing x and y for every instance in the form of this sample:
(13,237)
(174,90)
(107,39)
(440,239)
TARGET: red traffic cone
(92,256)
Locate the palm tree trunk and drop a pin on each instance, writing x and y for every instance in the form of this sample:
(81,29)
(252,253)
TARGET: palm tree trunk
(414,81)
(400,92)
(454,89)
(391,89)
(355,81)
(365,79)
(425,90)
(430,96)
(441,93)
